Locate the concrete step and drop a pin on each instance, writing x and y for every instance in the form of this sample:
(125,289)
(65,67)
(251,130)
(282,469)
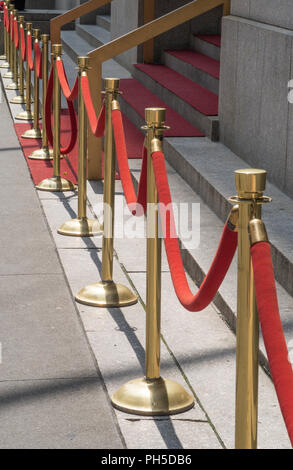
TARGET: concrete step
(196,66)
(104,21)
(206,45)
(208,124)
(95,35)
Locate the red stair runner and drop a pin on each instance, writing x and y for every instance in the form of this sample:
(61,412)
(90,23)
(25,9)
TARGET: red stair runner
(139,97)
(213,39)
(134,138)
(199,61)
(195,95)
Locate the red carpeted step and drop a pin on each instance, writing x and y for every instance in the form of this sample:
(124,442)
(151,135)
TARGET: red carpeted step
(195,95)
(199,61)
(214,39)
(139,97)
(134,138)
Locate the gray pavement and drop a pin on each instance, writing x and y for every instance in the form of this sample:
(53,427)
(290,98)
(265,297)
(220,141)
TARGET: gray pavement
(52,394)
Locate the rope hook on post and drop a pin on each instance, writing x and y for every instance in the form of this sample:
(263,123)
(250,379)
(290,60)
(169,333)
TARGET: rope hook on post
(81,226)
(107,293)
(153,395)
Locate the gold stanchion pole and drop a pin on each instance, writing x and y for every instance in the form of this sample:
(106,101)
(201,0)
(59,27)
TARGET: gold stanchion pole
(56,183)
(107,293)
(27,114)
(20,99)
(153,395)
(81,226)
(5,64)
(250,185)
(44,153)
(35,132)
(9,74)
(14,85)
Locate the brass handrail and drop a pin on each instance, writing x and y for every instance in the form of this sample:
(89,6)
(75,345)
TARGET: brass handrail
(57,23)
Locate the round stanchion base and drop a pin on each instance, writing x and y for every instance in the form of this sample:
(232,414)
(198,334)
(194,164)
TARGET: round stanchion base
(80,227)
(8,75)
(12,86)
(56,184)
(25,116)
(152,397)
(42,154)
(17,100)
(3,57)
(5,65)
(32,134)
(106,294)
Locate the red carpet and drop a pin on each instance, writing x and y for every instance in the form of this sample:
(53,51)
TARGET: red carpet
(41,169)
(213,39)
(195,95)
(139,97)
(134,138)
(198,60)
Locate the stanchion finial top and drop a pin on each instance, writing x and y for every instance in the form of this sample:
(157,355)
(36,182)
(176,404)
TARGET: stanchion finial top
(250,180)
(155,117)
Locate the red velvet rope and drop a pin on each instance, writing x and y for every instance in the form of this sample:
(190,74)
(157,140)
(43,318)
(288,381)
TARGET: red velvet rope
(70,95)
(11,27)
(23,44)
(221,261)
(136,204)
(48,120)
(272,330)
(38,59)
(97,123)
(6,19)
(29,52)
(16,36)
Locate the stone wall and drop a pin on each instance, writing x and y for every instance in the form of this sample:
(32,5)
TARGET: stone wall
(256,118)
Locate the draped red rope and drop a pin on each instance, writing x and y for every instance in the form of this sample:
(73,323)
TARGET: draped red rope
(97,123)
(23,44)
(136,204)
(272,330)
(70,95)
(30,61)
(38,59)
(221,261)
(16,36)
(48,119)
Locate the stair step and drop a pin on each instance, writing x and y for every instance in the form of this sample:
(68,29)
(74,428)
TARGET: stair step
(138,98)
(95,35)
(208,45)
(208,168)
(104,21)
(195,66)
(198,105)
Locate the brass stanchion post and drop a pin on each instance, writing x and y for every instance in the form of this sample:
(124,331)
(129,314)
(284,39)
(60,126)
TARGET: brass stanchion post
(20,99)
(35,132)
(27,114)
(44,153)
(14,85)
(56,183)
(81,226)
(4,57)
(9,74)
(250,185)
(153,395)
(107,293)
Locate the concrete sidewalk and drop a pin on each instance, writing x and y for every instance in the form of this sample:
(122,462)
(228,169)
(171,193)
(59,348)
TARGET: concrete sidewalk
(198,350)
(52,394)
